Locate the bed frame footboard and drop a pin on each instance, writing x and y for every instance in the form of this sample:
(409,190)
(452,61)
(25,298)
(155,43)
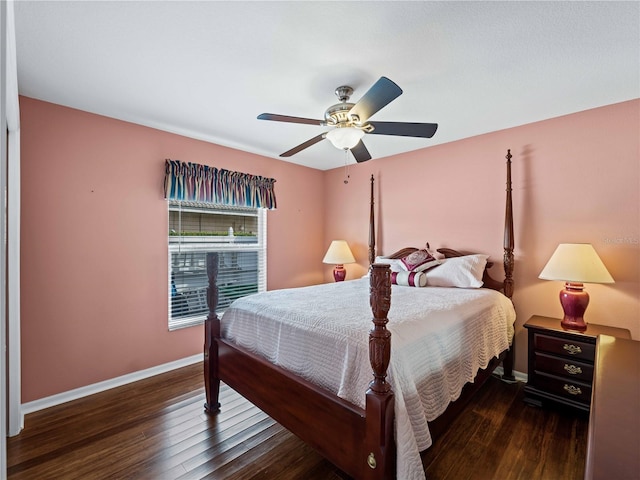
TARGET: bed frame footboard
(366,449)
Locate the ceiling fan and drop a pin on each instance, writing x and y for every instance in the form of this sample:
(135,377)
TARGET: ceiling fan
(351,120)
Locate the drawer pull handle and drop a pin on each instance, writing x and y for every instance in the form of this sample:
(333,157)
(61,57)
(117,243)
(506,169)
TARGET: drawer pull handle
(572,369)
(572,389)
(572,349)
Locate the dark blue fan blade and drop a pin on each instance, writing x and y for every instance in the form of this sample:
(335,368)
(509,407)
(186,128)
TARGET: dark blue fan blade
(302,146)
(360,152)
(379,95)
(285,118)
(404,129)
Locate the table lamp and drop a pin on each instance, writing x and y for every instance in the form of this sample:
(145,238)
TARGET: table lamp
(338,254)
(575,264)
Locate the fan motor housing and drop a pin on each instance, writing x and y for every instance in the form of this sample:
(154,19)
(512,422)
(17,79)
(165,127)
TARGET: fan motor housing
(338,114)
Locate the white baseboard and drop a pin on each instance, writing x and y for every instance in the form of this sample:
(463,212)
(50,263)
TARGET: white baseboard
(77,393)
(81,392)
(520,377)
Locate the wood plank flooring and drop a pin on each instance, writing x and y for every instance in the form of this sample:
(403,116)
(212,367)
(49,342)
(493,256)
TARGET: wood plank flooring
(156,429)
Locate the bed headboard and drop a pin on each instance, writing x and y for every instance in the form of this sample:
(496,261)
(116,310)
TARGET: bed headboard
(506,286)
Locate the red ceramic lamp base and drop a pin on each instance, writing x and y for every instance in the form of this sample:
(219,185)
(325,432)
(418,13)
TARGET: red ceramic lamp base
(339,273)
(574,302)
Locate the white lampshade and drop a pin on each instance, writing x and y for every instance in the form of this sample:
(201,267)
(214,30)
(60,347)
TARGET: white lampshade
(345,137)
(338,253)
(576,262)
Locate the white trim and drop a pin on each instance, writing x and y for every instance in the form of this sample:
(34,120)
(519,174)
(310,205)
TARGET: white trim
(11,195)
(3,163)
(81,392)
(9,409)
(13,102)
(16,418)
(520,377)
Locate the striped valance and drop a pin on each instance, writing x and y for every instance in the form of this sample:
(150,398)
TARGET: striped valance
(199,183)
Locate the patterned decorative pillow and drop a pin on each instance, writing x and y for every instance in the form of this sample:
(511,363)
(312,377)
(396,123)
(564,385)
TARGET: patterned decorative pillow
(419,261)
(409,279)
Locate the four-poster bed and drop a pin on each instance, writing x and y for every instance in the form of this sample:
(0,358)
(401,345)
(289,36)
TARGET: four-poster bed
(354,433)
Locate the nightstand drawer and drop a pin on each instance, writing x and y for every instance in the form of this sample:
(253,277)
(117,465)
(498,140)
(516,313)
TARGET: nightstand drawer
(563,367)
(564,387)
(565,347)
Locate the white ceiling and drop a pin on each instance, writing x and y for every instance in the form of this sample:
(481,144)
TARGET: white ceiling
(207,69)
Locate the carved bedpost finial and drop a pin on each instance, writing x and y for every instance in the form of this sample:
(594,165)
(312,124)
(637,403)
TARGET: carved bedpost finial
(372,228)
(379,336)
(508,234)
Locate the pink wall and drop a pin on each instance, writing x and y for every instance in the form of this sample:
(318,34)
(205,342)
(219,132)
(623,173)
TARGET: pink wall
(94,243)
(576,179)
(94,223)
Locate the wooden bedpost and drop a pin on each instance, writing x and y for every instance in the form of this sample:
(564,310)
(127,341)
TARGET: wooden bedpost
(372,228)
(507,364)
(508,234)
(211,333)
(379,446)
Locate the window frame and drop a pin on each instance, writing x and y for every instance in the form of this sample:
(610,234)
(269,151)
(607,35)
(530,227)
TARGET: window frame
(199,244)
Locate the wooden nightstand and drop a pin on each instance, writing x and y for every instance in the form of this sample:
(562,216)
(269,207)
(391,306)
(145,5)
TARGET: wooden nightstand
(561,361)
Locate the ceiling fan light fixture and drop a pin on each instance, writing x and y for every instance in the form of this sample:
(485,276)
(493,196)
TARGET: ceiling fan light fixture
(345,138)
(349,122)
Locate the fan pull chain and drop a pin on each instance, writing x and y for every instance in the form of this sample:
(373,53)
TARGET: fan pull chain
(346,166)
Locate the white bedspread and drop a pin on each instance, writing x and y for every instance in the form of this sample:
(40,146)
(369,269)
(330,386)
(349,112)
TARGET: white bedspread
(440,338)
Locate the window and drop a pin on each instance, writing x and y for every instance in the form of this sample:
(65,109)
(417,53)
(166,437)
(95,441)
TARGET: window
(238,234)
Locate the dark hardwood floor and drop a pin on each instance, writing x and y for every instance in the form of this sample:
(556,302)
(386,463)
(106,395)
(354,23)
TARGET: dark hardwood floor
(156,429)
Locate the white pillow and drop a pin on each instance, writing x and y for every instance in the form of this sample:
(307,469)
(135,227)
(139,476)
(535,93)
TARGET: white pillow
(394,264)
(462,272)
